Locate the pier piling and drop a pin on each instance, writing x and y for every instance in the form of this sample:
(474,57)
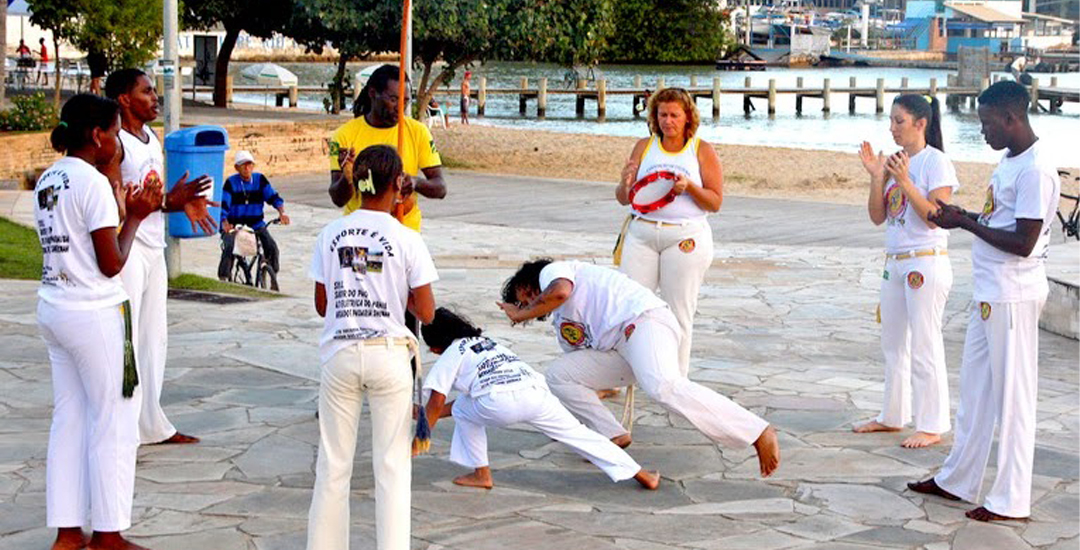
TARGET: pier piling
(481,97)
(601,99)
(716,97)
(541,99)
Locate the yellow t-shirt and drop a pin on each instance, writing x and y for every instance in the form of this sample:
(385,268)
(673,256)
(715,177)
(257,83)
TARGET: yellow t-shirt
(419,153)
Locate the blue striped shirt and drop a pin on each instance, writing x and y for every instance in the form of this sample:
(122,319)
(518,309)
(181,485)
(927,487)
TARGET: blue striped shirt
(242,201)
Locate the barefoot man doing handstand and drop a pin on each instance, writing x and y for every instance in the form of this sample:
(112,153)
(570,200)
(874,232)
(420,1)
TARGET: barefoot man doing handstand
(616,333)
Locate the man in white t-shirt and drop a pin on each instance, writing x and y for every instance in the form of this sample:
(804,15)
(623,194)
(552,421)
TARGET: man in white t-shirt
(615,333)
(999,376)
(141,162)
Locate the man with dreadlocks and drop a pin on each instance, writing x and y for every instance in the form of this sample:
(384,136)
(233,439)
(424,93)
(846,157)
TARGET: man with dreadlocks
(376,123)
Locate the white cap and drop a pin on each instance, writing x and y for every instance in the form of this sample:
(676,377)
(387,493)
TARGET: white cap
(242,157)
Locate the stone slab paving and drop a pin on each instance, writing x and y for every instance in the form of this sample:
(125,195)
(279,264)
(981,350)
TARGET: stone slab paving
(785,328)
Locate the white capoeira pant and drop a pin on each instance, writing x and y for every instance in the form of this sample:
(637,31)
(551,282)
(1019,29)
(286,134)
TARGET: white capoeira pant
(146,281)
(673,258)
(380,369)
(90,473)
(537,407)
(913,296)
(998,385)
(650,359)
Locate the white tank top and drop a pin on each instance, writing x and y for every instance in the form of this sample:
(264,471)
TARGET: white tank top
(143,163)
(685,162)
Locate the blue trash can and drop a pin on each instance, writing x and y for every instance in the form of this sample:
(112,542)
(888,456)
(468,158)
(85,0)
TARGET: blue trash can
(197,150)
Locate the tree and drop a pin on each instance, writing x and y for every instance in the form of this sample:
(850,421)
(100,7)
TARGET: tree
(354,29)
(259,18)
(668,31)
(127,32)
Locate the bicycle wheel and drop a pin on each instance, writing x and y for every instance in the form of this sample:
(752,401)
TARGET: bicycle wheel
(267,278)
(241,273)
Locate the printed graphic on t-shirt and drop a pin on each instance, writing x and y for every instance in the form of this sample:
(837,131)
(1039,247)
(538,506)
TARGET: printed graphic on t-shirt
(360,260)
(53,240)
(896,204)
(575,334)
(152,178)
(988,206)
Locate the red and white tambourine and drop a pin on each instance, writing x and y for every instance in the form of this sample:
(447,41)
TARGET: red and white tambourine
(653,192)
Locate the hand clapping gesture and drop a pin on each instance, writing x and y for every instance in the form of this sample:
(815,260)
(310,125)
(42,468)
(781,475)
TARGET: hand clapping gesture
(948,216)
(874,164)
(140,203)
(188,197)
(897,166)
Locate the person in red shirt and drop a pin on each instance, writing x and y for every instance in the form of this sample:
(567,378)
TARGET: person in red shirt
(43,72)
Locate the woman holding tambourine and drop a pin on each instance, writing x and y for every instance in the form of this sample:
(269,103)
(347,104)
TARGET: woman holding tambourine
(671,182)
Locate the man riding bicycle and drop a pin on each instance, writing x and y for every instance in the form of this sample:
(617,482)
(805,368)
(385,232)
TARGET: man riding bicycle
(242,201)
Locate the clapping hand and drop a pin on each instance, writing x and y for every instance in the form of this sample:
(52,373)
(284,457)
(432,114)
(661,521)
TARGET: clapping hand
(143,201)
(897,166)
(629,173)
(948,216)
(874,164)
(188,196)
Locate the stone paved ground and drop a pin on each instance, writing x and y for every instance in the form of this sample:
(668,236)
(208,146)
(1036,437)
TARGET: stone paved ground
(786,330)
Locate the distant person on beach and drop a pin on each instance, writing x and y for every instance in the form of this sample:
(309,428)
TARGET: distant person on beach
(465,97)
(23,50)
(242,198)
(368,269)
(904,190)
(376,124)
(495,389)
(85,319)
(615,332)
(141,162)
(667,243)
(98,67)
(42,72)
(999,377)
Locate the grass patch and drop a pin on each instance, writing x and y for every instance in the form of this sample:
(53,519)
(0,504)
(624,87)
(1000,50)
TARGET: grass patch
(188,281)
(20,252)
(449,162)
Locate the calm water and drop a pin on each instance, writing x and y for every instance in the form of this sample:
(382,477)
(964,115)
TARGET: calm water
(838,131)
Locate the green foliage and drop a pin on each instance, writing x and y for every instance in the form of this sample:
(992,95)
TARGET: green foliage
(668,31)
(260,18)
(567,32)
(20,252)
(198,283)
(29,113)
(128,32)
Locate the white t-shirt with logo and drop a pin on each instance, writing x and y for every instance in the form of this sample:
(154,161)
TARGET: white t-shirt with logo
(601,304)
(368,262)
(478,366)
(682,163)
(144,163)
(1025,186)
(71,200)
(905,230)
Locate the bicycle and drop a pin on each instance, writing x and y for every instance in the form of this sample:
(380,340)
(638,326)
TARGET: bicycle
(265,276)
(1070,225)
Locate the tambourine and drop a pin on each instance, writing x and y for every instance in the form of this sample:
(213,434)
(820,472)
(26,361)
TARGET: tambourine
(653,192)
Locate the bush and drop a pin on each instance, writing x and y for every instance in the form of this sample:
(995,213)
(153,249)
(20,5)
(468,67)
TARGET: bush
(29,113)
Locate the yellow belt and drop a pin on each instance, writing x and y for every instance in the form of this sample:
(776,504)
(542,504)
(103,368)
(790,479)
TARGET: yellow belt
(388,342)
(918,254)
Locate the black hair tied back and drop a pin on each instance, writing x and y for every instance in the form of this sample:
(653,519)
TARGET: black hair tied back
(79,116)
(926,108)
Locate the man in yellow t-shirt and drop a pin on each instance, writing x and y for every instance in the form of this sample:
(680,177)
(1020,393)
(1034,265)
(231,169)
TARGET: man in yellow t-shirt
(376,124)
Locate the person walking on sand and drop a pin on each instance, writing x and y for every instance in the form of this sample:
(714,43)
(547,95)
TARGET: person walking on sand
(667,244)
(141,163)
(498,389)
(465,97)
(904,190)
(999,377)
(616,332)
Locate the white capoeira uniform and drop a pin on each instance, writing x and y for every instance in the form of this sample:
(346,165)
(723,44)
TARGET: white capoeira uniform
(999,377)
(671,248)
(90,473)
(147,283)
(497,389)
(368,262)
(914,288)
(615,333)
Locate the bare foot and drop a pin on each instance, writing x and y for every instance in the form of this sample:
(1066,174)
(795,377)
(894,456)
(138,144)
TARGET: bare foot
(480,478)
(182,439)
(111,541)
(872,426)
(622,441)
(768,451)
(982,514)
(70,538)
(919,440)
(647,479)
(608,394)
(930,487)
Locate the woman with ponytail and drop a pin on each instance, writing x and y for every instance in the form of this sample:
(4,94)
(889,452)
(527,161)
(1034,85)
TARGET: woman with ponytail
(904,191)
(368,269)
(85,319)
